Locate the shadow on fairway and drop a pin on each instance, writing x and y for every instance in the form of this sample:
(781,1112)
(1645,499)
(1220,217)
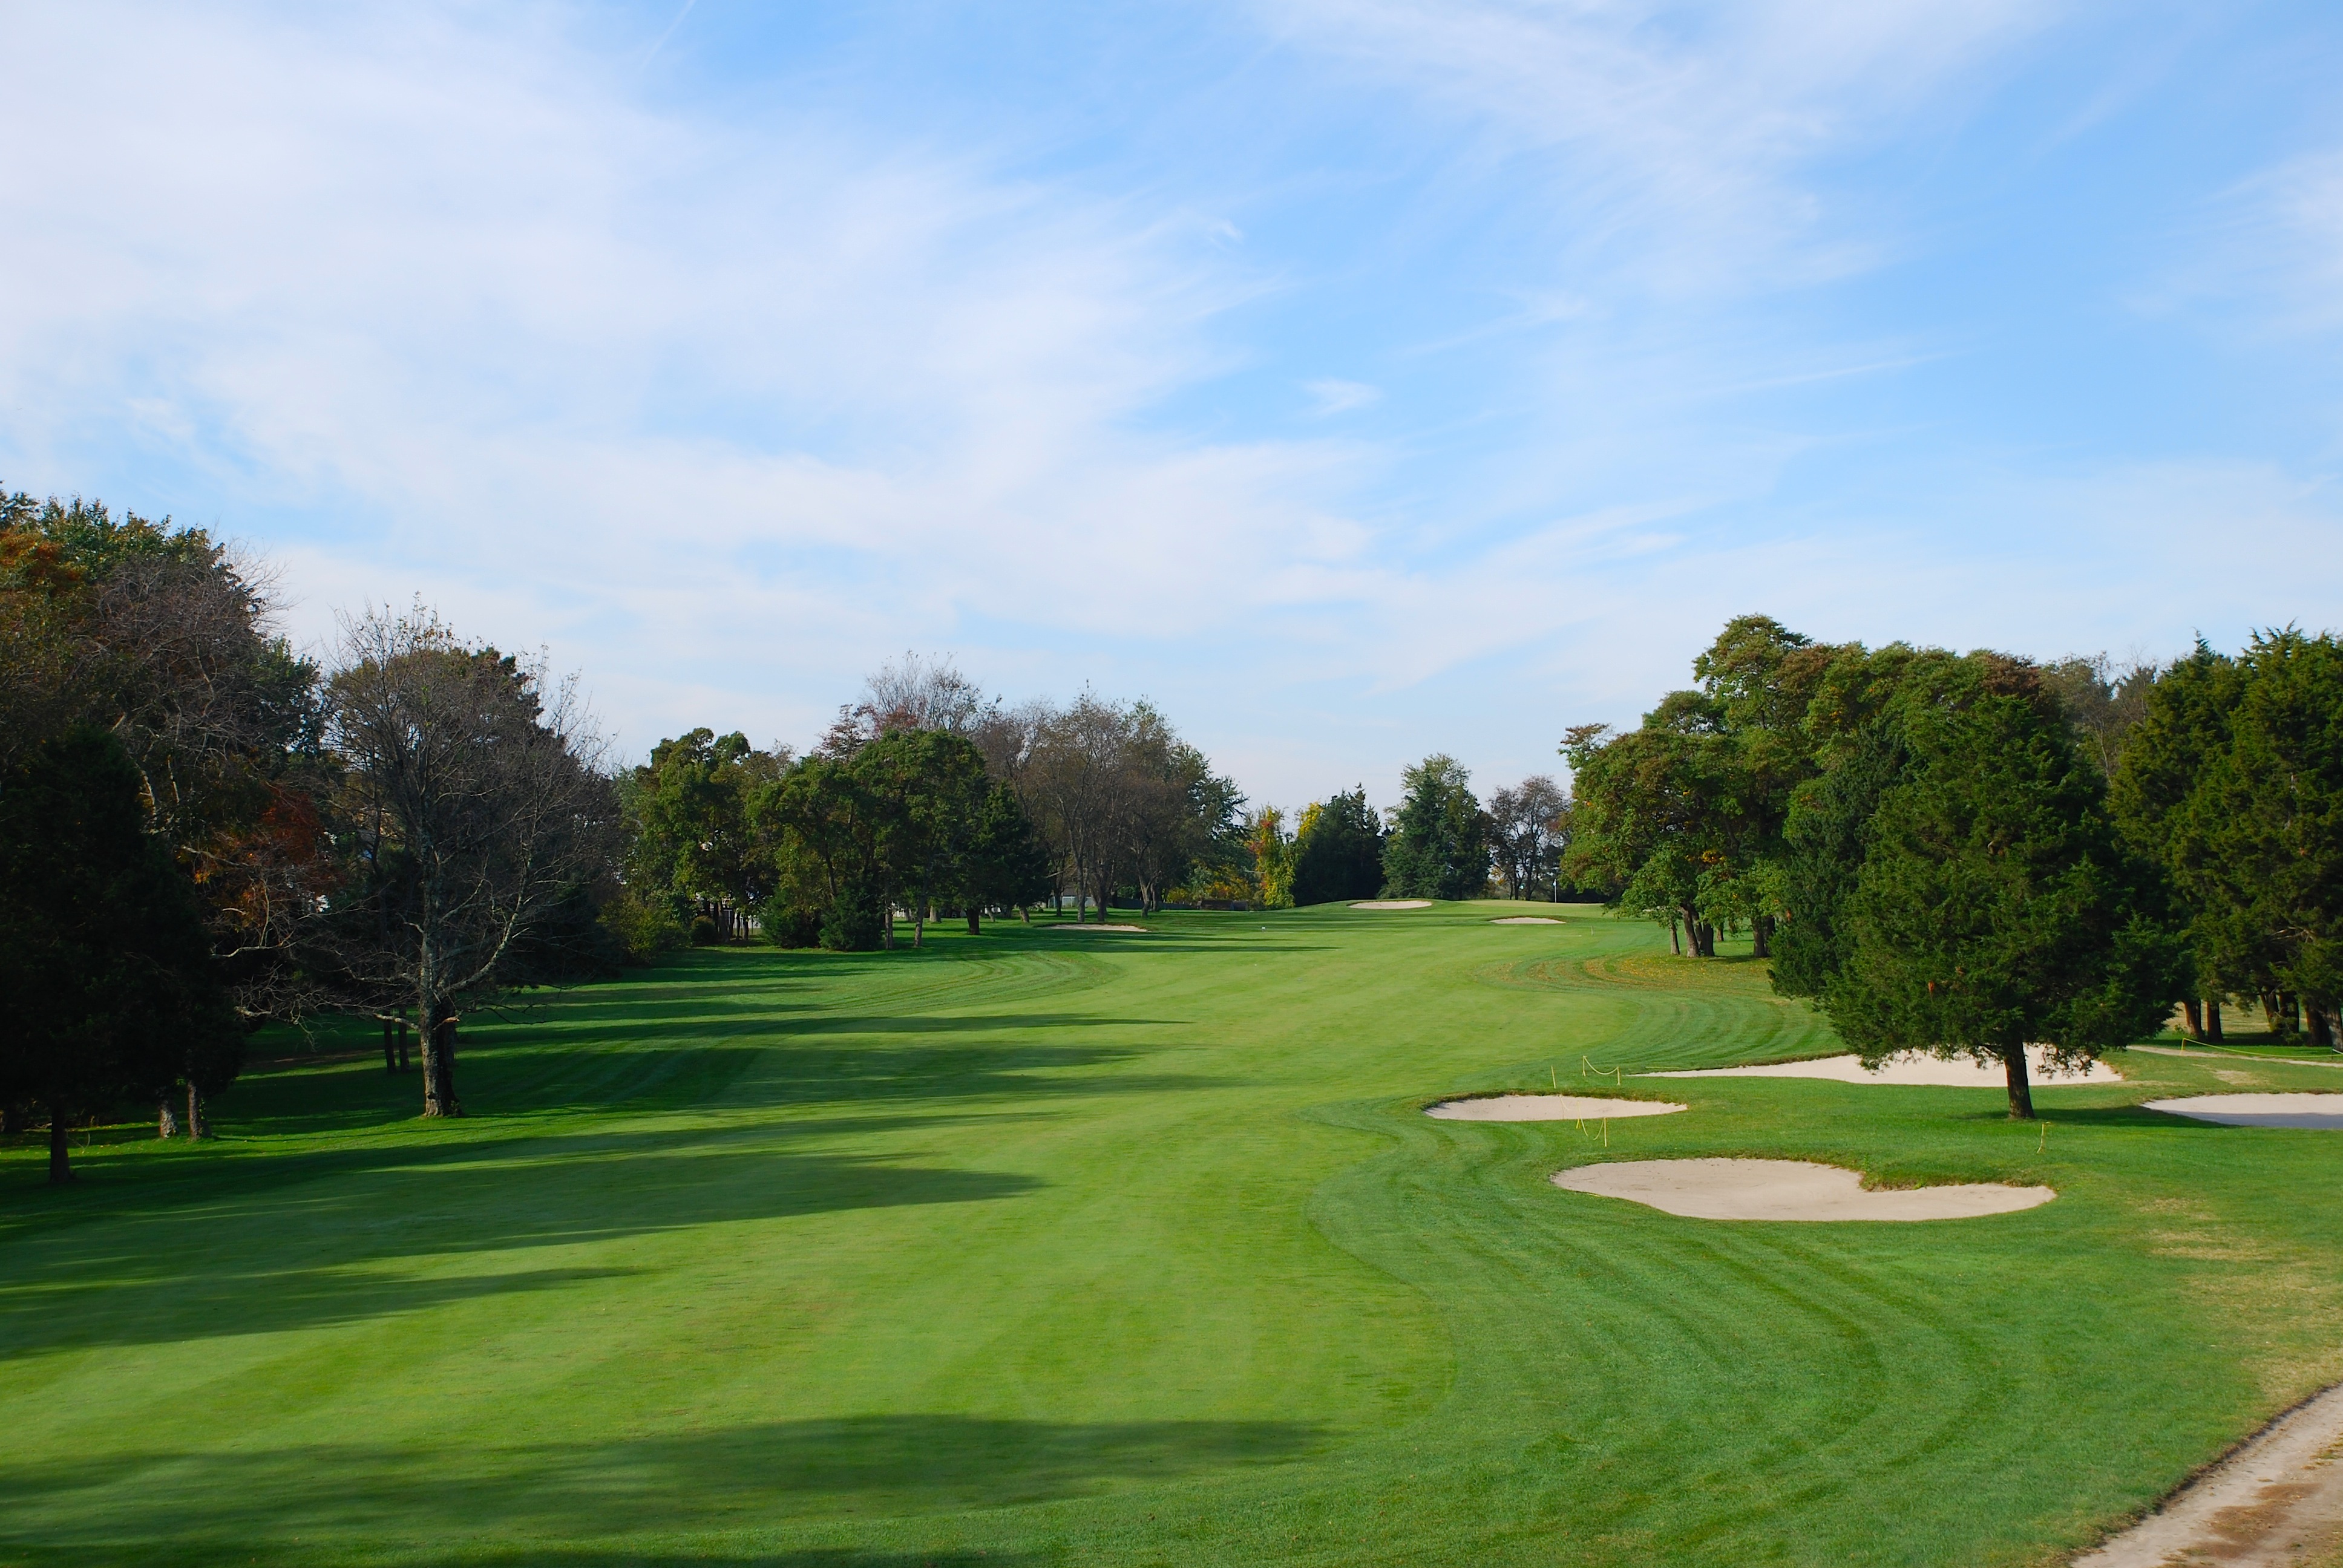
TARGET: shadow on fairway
(75,1287)
(751,1068)
(739,1477)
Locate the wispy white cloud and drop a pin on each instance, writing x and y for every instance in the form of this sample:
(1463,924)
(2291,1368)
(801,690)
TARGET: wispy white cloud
(614,373)
(1675,136)
(1330,397)
(728,403)
(2281,250)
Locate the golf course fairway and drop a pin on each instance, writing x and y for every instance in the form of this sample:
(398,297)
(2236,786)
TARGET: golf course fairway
(1105,1248)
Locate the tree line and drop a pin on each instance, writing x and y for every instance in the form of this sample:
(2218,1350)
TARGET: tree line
(203,830)
(1976,852)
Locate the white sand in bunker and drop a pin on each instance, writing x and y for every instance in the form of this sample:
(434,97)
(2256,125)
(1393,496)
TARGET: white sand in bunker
(1914,1067)
(2259,1110)
(1094,926)
(1525,920)
(1546,1107)
(1787,1189)
(1394,904)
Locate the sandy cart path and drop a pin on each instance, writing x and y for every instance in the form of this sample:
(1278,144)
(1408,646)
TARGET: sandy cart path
(2278,1501)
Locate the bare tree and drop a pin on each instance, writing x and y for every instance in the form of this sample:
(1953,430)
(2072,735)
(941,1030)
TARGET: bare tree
(912,694)
(475,810)
(2102,698)
(1529,834)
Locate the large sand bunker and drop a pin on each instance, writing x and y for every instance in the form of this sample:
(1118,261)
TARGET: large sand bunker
(2259,1110)
(1394,904)
(1787,1189)
(1546,1107)
(1525,920)
(2281,1492)
(1094,926)
(1959,1072)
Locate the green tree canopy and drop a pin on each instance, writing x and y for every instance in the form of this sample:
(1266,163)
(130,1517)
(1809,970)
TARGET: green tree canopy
(1996,905)
(1439,843)
(1338,850)
(104,955)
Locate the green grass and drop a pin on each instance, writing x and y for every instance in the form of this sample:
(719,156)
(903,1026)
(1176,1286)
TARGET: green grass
(1049,1248)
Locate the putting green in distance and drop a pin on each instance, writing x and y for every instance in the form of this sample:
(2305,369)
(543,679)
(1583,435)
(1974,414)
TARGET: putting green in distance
(1022,1250)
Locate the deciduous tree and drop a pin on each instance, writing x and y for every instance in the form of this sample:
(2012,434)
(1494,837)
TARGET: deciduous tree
(473,812)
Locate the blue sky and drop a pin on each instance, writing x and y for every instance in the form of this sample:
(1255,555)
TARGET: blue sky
(1356,378)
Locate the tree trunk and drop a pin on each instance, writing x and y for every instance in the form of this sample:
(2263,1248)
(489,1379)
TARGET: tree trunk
(439,1068)
(1761,933)
(198,1125)
(389,1049)
(2322,1026)
(166,1121)
(2196,1017)
(919,923)
(2021,1093)
(1025,914)
(60,1155)
(2213,1018)
(973,928)
(1672,940)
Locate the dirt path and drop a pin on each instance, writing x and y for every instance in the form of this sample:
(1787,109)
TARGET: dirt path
(2277,1503)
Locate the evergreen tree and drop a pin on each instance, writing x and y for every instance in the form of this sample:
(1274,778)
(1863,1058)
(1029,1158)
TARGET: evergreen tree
(1338,850)
(1996,905)
(1439,843)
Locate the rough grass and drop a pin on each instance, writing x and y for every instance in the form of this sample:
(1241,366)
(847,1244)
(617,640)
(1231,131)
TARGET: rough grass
(1055,1248)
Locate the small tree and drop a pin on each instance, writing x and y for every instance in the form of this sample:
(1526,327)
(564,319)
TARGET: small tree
(1528,831)
(1272,849)
(104,956)
(1996,906)
(1007,866)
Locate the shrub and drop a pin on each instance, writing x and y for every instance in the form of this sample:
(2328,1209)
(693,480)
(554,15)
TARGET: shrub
(792,925)
(643,928)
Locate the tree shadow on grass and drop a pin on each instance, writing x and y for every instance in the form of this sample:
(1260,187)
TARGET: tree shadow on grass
(332,1251)
(862,1466)
(2136,1117)
(649,1068)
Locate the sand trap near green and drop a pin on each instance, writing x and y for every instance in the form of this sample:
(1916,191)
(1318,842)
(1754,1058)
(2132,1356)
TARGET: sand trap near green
(1787,1189)
(1545,1108)
(1526,921)
(1913,1069)
(1394,904)
(1093,926)
(2316,1111)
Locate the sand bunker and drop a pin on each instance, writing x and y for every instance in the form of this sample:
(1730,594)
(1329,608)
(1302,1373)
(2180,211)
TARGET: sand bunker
(1526,921)
(1787,1189)
(1394,904)
(1094,926)
(1546,1107)
(2259,1110)
(2282,1493)
(1913,1068)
